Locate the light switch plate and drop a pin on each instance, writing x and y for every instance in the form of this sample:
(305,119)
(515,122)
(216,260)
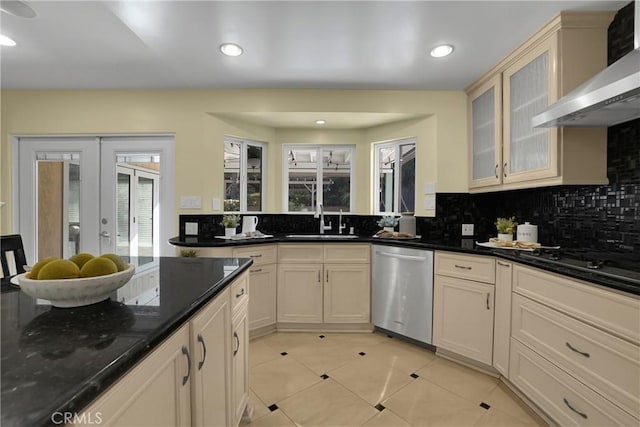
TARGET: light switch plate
(429,188)
(191,228)
(430,202)
(215,204)
(190,202)
(467,229)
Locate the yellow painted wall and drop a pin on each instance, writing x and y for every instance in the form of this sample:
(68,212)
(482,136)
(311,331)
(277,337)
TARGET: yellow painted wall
(191,116)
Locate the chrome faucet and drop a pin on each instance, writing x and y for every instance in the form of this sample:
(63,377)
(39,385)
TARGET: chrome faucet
(341,226)
(323,227)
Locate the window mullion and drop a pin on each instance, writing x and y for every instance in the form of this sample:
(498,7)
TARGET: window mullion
(243,176)
(319,177)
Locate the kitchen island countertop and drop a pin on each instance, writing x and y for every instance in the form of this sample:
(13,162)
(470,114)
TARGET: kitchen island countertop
(57,360)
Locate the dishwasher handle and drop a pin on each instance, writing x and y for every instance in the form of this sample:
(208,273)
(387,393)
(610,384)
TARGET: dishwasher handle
(400,256)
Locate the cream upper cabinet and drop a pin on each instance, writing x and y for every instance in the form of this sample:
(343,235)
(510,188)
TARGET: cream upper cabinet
(567,51)
(485,126)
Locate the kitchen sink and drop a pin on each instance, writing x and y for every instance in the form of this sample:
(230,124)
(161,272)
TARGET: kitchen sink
(322,236)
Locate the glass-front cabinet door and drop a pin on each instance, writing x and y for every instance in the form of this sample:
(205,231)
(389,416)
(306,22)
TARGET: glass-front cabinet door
(485,118)
(530,85)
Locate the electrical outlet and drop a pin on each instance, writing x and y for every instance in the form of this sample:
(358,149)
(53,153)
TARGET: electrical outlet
(191,228)
(467,229)
(190,202)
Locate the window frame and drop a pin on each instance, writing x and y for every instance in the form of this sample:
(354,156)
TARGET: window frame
(395,144)
(320,148)
(244,150)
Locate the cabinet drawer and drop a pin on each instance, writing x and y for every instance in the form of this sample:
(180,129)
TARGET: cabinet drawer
(305,254)
(347,254)
(600,360)
(261,254)
(472,267)
(614,312)
(204,252)
(239,291)
(562,397)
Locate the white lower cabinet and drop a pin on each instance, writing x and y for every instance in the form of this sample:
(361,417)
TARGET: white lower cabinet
(300,293)
(312,291)
(463,317)
(262,304)
(211,344)
(240,363)
(157,391)
(198,376)
(562,397)
(578,362)
(502,317)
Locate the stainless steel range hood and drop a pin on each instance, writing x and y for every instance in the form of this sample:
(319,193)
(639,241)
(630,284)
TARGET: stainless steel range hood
(610,97)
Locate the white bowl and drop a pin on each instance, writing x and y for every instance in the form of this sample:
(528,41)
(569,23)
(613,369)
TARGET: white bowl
(76,292)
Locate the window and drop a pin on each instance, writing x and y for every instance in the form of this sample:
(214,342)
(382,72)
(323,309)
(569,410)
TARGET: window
(395,172)
(307,166)
(244,163)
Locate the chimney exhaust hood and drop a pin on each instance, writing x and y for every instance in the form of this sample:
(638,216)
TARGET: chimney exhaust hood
(610,97)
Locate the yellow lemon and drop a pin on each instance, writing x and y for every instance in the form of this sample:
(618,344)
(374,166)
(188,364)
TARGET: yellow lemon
(119,262)
(81,258)
(98,267)
(33,274)
(59,269)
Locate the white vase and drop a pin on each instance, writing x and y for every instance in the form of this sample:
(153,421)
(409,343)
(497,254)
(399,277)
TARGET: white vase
(389,229)
(505,237)
(229,232)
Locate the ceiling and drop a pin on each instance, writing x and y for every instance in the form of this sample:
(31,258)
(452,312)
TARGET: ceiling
(290,44)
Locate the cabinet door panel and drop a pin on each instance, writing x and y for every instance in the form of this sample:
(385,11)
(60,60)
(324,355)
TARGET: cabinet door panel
(485,117)
(211,334)
(300,293)
(153,393)
(240,362)
(463,317)
(347,293)
(262,304)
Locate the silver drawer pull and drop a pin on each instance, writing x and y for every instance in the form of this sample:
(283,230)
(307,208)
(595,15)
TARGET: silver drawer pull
(496,171)
(255,256)
(185,351)
(488,295)
(257,270)
(464,267)
(576,350)
(502,264)
(566,402)
(240,294)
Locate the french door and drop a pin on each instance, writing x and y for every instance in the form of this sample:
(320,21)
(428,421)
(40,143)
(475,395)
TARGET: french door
(96,195)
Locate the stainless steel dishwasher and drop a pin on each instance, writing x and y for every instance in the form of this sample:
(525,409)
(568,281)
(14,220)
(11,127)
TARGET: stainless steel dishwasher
(402,291)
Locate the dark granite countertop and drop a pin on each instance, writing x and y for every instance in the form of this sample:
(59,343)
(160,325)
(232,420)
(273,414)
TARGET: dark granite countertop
(60,359)
(465,245)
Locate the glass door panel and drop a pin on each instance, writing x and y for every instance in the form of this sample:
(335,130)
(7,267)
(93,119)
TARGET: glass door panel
(146,195)
(484,135)
(123,212)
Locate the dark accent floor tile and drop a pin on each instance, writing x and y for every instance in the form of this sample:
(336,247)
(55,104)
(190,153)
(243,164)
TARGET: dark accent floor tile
(284,353)
(485,405)
(320,336)
(414,375)
(379,407)
(362,353)
(273,407)
(324,376)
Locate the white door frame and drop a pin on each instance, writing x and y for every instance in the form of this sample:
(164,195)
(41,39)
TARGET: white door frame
(88,146)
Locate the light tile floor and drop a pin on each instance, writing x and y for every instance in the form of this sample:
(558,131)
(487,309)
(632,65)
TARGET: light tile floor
(338,380)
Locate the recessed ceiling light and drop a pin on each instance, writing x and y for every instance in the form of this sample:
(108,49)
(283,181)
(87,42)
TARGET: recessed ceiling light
(17,8)
(231,49)
(6,41)
(321,122)
(442,50)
